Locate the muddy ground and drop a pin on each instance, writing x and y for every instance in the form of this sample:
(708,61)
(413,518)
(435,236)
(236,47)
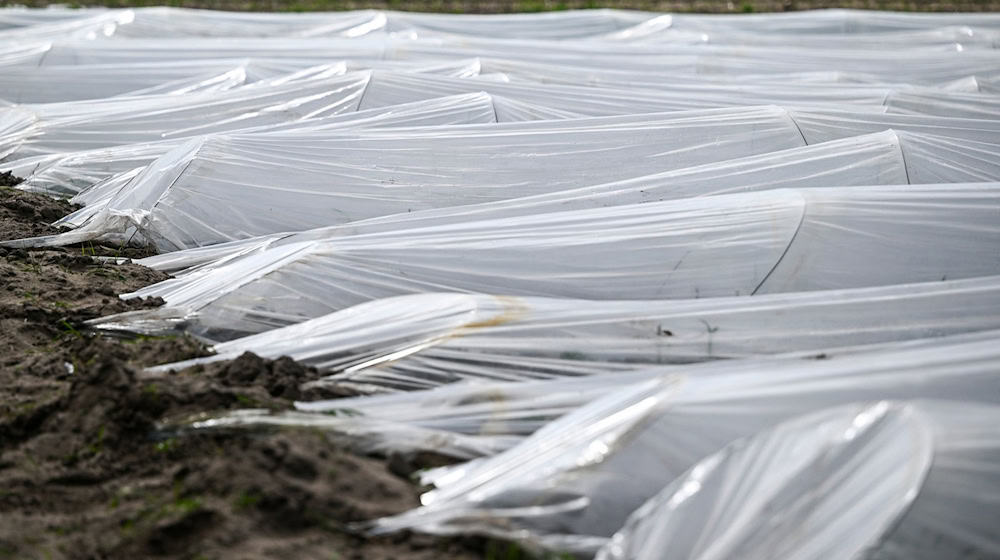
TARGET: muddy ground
(84,472)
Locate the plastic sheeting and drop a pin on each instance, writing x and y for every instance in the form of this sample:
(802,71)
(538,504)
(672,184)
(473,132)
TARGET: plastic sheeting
(108,122)
(904,28)
(520,71)
(326,152)
(863,160)
(84,168)
(269,96)
(885,480)
(339,179)
(902,62)
(573,483)
(75,172)
(176,22)
(391,88)
(772,241)
(65,172)
(145,117)
(385,87)
(53,84)
(80,125)
(711,225)
(16,125)
(833,125)
(469,420)
(422,341)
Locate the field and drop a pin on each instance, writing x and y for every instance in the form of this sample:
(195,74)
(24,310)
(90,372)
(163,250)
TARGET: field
(546,284)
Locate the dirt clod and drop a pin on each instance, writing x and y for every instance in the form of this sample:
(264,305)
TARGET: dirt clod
(7,179)
(25,214)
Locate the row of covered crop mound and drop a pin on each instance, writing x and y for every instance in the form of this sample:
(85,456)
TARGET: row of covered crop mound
(661,286)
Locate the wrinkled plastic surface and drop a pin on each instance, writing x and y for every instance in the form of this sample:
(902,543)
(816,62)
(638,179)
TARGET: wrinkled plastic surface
(771,241)
(573,483)
(76,172)
(199,104)
(51,84)
(469,420)
(860,160)
(883,480)
(906,28)
(422,341)
(310,178)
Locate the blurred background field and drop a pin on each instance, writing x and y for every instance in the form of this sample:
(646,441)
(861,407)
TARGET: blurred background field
(510,6)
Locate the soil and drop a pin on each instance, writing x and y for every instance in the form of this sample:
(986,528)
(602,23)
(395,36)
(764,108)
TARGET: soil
(85,472)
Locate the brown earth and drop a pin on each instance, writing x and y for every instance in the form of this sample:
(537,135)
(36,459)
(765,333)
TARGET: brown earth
(84,471)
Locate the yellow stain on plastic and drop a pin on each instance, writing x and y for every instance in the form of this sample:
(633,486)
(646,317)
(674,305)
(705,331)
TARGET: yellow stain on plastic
(513,310)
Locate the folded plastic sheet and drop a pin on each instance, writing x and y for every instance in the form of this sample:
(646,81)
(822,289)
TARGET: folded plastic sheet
(662,91)
(344,183)
(160,113)
(929,65)
(173,23)
(72,126)
(69,173)
(855,161)
(52,84)
(824,126)
(520,71)
(576,24)
(477,419)
(830,22)
(926,67)
(315,178)
(463,420)
(302,52)
(957,104)
(689,91)
(400,87)
(987,86)
(773,241)
(75,172)
(170,23)
(89,26)
(888,158)
(18,53)
(669,30)
(13,17)
(392,88)
(828,25)
(897,58)
(573,483)
(426,340)
(913,480)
